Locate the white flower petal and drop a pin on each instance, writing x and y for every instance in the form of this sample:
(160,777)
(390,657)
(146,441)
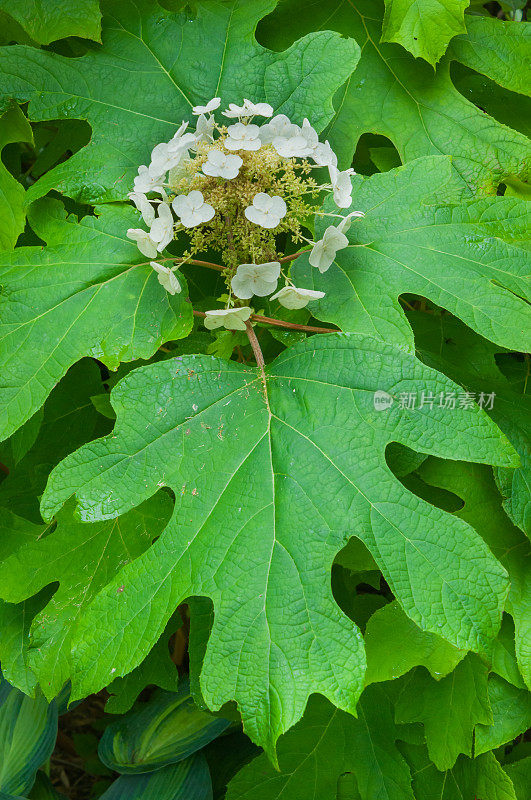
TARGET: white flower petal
(143,205)
(255,279)
(294,298)
(230,318)
(167,278)
(143,241)
(222,165)
(345,223)
(192,209)
(324,251)
(212,105)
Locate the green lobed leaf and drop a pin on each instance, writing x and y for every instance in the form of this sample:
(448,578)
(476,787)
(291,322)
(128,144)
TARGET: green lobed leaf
(28,728)
(449,708)
(510,108)
(482,509)
(14,127)
(165,730)
(466,257)
(82,559)
(424,27)
(90,292)
(511,716)
(497,49)
(325,744)
(147,76)
(157,669)
(247,469)
(55,19)
(67,421)
(520,774)
(394,95)
(503,658)
(482,778)
(394,645)
(444,343)
(188,780)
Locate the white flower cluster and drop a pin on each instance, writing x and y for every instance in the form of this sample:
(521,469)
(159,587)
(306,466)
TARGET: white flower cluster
(223,151)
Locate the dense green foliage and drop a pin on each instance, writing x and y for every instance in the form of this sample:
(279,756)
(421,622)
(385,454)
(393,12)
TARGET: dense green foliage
(302,579)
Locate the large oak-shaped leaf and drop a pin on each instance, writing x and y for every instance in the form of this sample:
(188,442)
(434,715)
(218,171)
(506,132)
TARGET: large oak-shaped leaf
(82,559)
(464,256)
(155,65)
(90,292)
(393,94)
(272,476)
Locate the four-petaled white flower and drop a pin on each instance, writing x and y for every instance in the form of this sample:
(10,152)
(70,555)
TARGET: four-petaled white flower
(233,319)
(280,126)
(144,242)
(243,137)
(168,155)
(341,186)
(248,109)
(266,211)
(345,223)
(143,205)
(162,227)
(324,251)
(292,297)
(145,182)
(222,165)
(299,144)
(323,155)
(210,106)
(259,279)
(166,278)
(192,209)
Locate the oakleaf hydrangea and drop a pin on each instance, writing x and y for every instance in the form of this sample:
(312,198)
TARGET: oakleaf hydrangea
(245,189)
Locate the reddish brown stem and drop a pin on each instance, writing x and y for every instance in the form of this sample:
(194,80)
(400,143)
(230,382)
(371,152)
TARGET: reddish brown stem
(194,261)
(257,350)
(293,255)
(280,323)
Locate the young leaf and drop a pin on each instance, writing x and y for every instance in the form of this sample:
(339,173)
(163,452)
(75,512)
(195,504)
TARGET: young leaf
(83,559)
(449,708)
(520,774)
(14,127)
(424,27)
(90,292)
(55,19)
(393,94)
(394,644)
(465,257)
(482,778)
(325,744)
(156,669)
(146,77)
(511,715)
(272,477)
